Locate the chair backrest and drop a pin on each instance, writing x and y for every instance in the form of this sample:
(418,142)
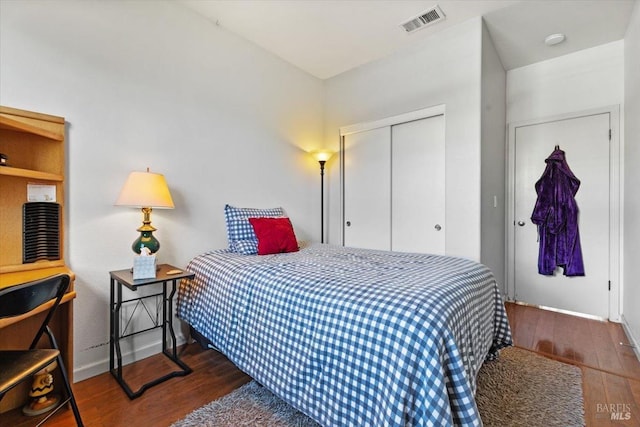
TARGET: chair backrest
(20,299)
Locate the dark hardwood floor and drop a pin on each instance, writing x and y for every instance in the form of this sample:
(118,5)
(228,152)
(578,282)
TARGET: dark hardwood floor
(610,369)
(611,376)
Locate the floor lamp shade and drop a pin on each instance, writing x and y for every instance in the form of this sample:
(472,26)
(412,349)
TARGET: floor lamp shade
(145,190)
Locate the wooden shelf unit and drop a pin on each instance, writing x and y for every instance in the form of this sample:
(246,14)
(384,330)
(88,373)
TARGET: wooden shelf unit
(35,146)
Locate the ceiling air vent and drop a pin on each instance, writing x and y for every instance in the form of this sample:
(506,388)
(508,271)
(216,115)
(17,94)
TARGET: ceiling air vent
(428,17)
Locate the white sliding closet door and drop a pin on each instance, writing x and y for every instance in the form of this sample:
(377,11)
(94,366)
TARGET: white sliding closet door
(417,186)
(367,189)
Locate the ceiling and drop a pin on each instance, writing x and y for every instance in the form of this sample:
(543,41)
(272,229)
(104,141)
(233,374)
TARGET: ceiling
(328,37)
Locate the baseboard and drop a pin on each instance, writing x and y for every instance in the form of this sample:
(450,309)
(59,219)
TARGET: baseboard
(632,339)
(101,366)
(568,312)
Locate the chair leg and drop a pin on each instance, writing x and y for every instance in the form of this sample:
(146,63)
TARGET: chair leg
(72,398)
(65,378)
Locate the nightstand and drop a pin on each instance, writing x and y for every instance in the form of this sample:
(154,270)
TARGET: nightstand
(169,282)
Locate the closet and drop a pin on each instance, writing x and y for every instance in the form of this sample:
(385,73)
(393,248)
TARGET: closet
(393,183)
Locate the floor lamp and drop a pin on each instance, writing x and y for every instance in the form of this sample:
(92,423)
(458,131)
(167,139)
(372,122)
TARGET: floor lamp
(322,156)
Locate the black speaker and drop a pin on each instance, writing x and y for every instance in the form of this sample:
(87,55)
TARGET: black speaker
(40,231)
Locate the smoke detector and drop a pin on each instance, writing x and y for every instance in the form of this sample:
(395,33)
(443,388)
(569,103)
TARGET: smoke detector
(554,39)
(426,18)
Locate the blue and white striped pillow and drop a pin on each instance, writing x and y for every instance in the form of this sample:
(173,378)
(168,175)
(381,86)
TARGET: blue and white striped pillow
(242,238)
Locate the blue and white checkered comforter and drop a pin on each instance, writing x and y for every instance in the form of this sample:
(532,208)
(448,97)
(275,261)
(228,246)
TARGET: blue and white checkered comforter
(353,337)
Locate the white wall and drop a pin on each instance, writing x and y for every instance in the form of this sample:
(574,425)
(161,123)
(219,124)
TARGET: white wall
(443,69)
(631,308)
(153,84)
(492,203)
(587,79)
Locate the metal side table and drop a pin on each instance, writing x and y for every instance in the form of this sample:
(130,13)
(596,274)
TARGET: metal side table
(169,282)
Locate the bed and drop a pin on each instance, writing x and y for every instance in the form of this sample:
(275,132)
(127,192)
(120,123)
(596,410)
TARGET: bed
(353,337)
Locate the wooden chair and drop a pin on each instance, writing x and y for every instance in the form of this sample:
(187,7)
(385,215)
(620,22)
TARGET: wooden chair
(19,365)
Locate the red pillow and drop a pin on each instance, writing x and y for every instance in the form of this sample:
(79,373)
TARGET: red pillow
(275,235)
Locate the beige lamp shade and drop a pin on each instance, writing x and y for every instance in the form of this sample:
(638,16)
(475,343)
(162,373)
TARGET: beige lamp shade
(322,155)
(145,190)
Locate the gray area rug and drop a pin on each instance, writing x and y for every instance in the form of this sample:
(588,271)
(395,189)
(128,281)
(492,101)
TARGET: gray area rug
(519,389)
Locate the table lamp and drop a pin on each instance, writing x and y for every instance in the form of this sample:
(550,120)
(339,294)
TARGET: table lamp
(145,190)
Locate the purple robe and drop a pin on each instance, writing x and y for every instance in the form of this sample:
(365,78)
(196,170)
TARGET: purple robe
(556,215)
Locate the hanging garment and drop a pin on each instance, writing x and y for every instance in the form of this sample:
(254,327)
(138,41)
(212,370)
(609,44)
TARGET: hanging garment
(556,215)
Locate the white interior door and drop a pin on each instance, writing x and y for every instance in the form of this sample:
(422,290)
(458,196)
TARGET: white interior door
(417,186)
(585,141)
(367,189)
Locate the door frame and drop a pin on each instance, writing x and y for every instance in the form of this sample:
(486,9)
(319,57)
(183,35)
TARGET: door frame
(615,210)
(423,113)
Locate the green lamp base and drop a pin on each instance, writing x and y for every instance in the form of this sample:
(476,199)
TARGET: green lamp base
(146,240)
